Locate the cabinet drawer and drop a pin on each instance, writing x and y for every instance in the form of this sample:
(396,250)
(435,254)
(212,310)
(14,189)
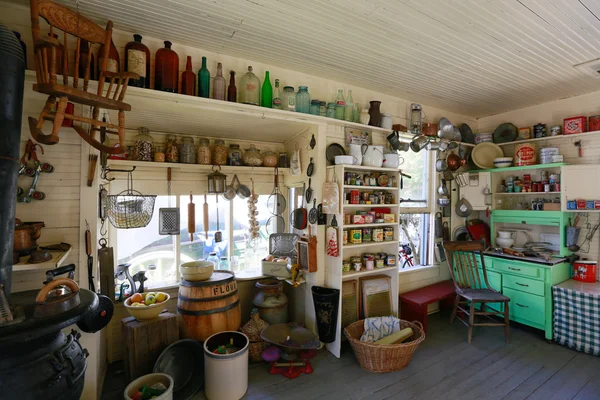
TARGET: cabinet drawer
(525,307)
(523,284)
(518,268)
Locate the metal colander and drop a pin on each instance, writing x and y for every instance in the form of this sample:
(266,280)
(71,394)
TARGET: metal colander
(130,209)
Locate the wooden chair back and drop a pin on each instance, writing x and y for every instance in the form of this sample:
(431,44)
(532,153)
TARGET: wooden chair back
(462,262)
(46,47)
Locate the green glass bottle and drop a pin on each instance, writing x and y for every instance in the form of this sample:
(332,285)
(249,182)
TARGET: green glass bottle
(267,92)
(204,80)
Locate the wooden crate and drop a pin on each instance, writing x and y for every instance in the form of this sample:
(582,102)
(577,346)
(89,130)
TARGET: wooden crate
(144,341)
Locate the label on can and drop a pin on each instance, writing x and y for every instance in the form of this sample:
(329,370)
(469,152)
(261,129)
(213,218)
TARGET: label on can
(377,235)
(580,204)
(525,154)
(356,236)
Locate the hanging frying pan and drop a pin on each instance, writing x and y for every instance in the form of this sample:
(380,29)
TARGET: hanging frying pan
(313,215)
(309,191)
(299,220)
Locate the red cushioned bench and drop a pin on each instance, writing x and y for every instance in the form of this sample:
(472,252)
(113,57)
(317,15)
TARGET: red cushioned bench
(414,303)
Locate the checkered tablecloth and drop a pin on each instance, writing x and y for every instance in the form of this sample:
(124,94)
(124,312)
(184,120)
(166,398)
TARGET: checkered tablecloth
(577,319)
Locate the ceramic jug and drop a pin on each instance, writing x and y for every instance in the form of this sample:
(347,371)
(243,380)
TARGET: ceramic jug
(356,152)
(372,156)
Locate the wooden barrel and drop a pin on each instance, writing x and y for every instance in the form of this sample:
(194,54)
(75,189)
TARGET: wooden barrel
(208,307)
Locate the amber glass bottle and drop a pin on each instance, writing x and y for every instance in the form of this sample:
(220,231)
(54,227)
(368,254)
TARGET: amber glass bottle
(137,59)
(113,64)
(84,53)
(231,89)
(188,78)
(166,69)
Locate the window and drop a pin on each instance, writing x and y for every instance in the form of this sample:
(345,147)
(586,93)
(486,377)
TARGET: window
(414,234)
(148,251)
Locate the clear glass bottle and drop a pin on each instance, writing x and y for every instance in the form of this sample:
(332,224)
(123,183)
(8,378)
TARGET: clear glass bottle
(322,108)
(266,94)
(219,153)
(331,107)
(143,149)
(231,89)
(349,106)
(203,154)
(340,105)
(303,100)
(214,258)
(277,96)
(234,155)
(288,99)
(166,69)
(250,88)
(137,60)
(204,80)
(315,108)
(187,152)
(219,84)
(188,79)
(171,149)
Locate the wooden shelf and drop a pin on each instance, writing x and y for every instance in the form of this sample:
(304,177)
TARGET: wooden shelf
(358,274)
(574,137)
(368,244)
(524,193)
(226,169)
(58,257)
(365,168)
(375,225)
(368,205)
(366,188)
(523,168)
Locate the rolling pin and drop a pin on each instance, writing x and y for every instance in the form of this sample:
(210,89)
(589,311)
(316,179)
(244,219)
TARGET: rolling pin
(191,218)
(205,217)
(512,252)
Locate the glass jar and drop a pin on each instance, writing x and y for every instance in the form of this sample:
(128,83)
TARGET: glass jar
(224,263)
(143,149)
(330,110)
(322,108)
(288,99)
(219,153)
(252,157)
(269,159)
(303,100)
(315,108)
(203,155)
(159,153)
(234,155)
(171,149)
(213,258)
(187,152)
(250,88)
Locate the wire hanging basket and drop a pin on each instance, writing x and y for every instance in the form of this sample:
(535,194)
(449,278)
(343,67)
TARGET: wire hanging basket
(130,209)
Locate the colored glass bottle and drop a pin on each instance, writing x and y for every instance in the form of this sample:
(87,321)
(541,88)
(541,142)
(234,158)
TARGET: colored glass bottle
(277,96)
(113,64)
(137,59)
(203,80)
(340,105)
(349,106)
(219,84)
(188,79)
(166,69)
(266,96)
(250,88)
(84,54)
(231,89)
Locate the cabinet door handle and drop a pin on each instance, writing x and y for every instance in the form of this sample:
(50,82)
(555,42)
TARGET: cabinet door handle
(521,305)
(521,284)
(514,269)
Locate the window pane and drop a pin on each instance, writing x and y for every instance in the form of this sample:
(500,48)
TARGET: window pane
(148,251)
(201,246)
(249,253)
(415,165)
(414,238)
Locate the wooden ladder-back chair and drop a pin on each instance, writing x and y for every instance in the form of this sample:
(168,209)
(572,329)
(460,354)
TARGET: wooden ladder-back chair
(462,261)
(46,62)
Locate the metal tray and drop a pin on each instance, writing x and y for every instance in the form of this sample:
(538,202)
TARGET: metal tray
(284,244)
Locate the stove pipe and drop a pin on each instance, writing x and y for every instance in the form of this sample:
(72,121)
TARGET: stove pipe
(12,80)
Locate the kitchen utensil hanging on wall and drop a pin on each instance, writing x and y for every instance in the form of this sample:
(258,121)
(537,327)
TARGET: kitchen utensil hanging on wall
(322,218)
(205,222)
(309,191)
(332,239)
(445,231)
(299,219)
(191,218)
(168,218)
(463,208)
(311,168)
(218,234)
(313,215)
(276,202)
(438,225)
(90,259)
(313,142)
(107,269)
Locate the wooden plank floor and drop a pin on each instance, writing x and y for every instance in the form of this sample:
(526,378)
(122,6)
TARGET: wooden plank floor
(444,367)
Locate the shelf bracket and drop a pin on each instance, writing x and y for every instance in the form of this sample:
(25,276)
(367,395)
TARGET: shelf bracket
(105,172)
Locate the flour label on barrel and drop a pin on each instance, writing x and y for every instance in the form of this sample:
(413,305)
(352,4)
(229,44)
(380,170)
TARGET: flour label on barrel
(229,288)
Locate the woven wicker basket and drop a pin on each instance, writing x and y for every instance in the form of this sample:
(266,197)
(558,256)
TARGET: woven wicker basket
(255,350)
(384,358)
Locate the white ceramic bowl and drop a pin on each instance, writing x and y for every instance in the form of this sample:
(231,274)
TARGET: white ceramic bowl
(503,162)
(507,243)
(195,271)
(346,160)
(484,154)
(143,313)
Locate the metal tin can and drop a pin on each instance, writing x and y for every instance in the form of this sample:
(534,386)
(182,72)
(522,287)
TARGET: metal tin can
(546,187)
(535,187)
(544,175)
(539,130)
(557,187)
(379,263)
(347,219)
(354,197)
(345,266)
(377,235)
(345,237)
(594,123)
(388,234)
(356,263)
(367,234)
(554,178)
(390,260)
(355,236)
(575,125)
(585,271)
(525,154)
(555,130)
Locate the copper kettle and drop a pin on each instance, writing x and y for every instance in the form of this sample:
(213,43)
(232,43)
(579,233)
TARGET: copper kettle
(26,234)
(453,161)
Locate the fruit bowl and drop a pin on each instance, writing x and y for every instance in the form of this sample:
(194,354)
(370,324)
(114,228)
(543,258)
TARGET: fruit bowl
(146,312)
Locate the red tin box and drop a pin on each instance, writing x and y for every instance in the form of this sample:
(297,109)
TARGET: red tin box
(594,123)
(574,125)
(584,271)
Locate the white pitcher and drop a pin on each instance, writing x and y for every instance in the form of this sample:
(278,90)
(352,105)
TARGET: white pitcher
(356,152)
(372,156)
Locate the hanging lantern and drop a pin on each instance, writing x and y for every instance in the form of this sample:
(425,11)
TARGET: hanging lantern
(416,122)
(216,181)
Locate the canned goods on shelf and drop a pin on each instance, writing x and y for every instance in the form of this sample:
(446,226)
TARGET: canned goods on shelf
(388,234)
(355,236)
(377,235)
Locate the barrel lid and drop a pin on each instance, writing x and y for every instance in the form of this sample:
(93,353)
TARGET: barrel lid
(218,277)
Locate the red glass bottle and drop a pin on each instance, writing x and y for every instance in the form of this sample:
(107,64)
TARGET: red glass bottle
(231,89)
(188,78)
(137,59)
(166,69)
(114,62)
(84,53)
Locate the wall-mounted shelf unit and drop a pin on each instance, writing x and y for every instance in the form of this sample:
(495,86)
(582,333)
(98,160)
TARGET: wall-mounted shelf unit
(194,168)
(58,258)
(573,137)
